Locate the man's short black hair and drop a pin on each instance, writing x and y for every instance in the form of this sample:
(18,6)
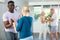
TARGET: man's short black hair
(10,2)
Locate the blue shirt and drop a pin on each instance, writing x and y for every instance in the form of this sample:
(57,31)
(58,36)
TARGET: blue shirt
(24,27)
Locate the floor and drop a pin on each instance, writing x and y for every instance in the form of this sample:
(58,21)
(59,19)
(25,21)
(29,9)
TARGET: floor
(36,37)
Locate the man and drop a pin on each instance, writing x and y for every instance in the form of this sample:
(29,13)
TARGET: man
(54,24)
(8,22)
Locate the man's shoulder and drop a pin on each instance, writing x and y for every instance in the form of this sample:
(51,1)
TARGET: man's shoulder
(17,13)
(6,13)
(55,14)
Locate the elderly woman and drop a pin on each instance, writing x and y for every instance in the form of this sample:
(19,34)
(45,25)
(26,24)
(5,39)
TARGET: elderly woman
(43,26)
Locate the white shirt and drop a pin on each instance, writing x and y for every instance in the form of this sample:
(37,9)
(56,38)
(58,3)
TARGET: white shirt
(7,17)
(55,21)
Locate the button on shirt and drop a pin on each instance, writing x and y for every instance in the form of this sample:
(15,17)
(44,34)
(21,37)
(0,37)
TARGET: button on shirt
(7,17)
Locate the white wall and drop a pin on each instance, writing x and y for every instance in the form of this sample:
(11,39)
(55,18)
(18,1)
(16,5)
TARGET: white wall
(2,10)
(41,0)
(20,4)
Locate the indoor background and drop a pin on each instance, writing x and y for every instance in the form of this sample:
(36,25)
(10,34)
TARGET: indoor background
(36,6)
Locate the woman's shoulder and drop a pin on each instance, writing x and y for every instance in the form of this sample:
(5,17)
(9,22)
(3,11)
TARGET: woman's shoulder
(25,17)
(29,17)
(20,19)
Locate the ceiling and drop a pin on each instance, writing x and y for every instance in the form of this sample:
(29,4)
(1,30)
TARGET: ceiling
(40,0)
(35,0)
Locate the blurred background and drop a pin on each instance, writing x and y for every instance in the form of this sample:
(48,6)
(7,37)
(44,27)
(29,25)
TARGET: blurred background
(36,6)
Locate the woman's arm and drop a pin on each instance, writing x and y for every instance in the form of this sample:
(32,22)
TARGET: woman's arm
(14,25)
(19,25)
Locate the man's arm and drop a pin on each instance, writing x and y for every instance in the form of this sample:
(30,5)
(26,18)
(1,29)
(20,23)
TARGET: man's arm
(6,21)
(7,24)
(51,19)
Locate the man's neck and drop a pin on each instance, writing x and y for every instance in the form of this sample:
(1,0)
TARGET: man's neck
(11,11)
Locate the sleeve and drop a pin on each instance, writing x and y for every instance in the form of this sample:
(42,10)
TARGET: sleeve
(55,16)
(31,21)
(5,18)
(19,25)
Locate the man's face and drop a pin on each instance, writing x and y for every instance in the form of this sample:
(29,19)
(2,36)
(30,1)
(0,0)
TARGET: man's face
(11,6)
(52,11)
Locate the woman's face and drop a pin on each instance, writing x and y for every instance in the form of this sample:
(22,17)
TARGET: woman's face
(42,14)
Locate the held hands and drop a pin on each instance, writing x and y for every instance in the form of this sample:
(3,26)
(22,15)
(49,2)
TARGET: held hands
(50,19)
(11,21)
(14,24)
(43,20)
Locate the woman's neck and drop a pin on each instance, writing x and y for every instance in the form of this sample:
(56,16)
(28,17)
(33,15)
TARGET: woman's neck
(26,14)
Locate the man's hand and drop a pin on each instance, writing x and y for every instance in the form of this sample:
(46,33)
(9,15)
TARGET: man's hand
(51,19)
(12,20)
(7,24)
